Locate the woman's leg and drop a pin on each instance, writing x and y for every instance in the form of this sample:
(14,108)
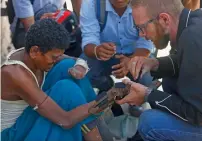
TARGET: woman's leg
(30,126)
(60,72)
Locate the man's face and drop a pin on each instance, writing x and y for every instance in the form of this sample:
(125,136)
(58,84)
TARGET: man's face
(150,28)
(119,3)
(45,61)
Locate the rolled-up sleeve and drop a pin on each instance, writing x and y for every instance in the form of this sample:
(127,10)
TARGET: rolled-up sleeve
(23,8)
(143,43)
(89,24)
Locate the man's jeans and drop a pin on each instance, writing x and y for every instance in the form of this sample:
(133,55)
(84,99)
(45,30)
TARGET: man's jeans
(156,125)
(104,68)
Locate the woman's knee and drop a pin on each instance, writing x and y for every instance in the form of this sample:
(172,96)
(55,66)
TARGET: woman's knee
(69,62)
(58,72)
(67,93)
(64,65)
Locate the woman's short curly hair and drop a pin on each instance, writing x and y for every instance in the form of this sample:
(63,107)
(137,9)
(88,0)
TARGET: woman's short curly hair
(47,34)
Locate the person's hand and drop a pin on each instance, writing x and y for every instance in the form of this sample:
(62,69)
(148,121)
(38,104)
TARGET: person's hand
(78,72)
(142,64)
(121,70)
(105,51)
(48,15)
(137,94)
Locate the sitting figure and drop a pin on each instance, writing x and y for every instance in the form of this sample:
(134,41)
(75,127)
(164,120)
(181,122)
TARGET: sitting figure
(46,106)
(109,45)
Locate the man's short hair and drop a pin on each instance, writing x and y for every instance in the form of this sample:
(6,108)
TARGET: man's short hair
(48,35)
(155,7)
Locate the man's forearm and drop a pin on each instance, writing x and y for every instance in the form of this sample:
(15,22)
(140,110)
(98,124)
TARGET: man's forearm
(175,105)
(167,67)
(27,22)
(141,52)
(76,4)
(89,50)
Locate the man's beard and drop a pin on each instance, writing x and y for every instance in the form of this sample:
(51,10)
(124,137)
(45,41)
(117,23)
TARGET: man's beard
(162,42)
(162,38)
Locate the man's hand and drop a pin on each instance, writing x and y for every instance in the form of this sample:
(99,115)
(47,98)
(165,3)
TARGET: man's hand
(78,72)
(121,70)
(138,64)
(105,51)
(48,15)
(27,22)
(137,94)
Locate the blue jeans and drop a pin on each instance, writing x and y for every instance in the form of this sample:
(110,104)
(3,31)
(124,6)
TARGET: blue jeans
(156,125)
(104,68)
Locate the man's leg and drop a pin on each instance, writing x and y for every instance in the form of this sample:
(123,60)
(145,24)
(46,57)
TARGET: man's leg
(156,125)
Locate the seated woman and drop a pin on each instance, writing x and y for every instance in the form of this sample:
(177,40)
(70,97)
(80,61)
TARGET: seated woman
(54,107)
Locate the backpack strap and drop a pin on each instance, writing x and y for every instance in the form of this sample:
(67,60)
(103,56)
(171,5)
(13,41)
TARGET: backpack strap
(101,13)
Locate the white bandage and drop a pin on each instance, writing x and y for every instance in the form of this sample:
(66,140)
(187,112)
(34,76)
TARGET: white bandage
(82,63)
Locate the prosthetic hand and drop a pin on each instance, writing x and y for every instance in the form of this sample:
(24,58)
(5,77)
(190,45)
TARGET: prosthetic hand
(79,70)
(106,99)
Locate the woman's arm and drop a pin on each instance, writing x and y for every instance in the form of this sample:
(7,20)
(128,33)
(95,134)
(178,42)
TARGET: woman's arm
(35,97)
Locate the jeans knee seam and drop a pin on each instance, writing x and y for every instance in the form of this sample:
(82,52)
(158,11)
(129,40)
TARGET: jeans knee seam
(156,130)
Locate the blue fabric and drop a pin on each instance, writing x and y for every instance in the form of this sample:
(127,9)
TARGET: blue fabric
(119,30)
(155,125)
(68,94)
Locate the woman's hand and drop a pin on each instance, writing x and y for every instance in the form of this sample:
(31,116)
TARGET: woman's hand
(78,72)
